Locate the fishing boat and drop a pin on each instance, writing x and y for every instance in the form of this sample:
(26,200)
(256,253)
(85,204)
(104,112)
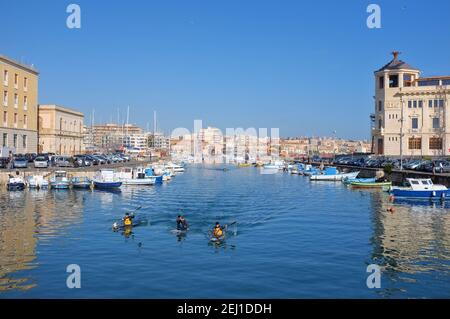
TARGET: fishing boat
(174,167)
(136,176)
(374,184)
(309,170)
(81,182)
(106,179)
(59,180)
(37,182)
(422,188)
(347,181)
(149,173)
(15,183)
(332,174)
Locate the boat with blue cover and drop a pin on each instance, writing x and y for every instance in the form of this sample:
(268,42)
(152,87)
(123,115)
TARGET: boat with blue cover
(332,174)
(421,188)
(149,173)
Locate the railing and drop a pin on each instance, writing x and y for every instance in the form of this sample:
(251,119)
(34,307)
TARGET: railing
(47,131)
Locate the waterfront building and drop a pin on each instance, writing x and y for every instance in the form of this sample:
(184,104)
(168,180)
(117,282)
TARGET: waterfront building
(110,137)
(158,141)
(19,96)
(60,130)
(411,112)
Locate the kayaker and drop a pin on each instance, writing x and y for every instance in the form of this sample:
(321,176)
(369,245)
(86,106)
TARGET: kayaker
(128,219)
(181,223)
(218,230)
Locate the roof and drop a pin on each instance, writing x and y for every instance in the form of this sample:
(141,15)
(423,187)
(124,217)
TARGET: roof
(28,68)
(396,64)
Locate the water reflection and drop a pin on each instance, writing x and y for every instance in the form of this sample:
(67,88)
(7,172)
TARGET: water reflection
(410,238)
(26,218)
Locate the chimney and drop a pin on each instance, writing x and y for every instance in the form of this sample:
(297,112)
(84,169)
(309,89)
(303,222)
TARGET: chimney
(395,54)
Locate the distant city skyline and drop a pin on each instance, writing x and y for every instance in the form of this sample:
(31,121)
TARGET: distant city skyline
(257,64)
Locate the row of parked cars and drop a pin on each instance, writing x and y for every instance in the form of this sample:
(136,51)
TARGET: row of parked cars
(49,159)
(423,165)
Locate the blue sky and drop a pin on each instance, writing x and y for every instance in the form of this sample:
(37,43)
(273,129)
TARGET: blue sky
(305,67)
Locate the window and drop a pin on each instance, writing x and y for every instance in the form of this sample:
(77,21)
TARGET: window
(15,118)
(25,84)
(436,123)
(441,103)
(409,104)
(407,79)
(415,104)
(25,102)
(24,141)
(5,98)
(430,103)
(393,81)
(435,143)
(16,100)
(436,102)
(381,82)
(415,143)
(25,121)
(380,124)
(446,82)
(5,77)
(16,80)
(5,139)
(15,140)
(415,123)
(420,103)
(5,118)
(380,106)
(428,82)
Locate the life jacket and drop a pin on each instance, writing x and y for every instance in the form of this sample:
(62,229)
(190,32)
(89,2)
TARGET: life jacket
(127,221)
(218,232)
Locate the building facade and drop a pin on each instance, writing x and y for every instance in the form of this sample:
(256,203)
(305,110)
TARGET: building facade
(19,96)
(411,112)
(110,137)
(60,130)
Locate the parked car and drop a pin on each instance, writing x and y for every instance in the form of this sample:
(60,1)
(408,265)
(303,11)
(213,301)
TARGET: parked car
(107,161)
(40,162)
(62,161)
(101,160)
(93,160)
(30,157)
(81,161)
(4,162)
(20,162)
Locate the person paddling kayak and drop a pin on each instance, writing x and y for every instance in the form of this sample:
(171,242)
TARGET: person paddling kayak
(182,223)
(128,219)
(218,230)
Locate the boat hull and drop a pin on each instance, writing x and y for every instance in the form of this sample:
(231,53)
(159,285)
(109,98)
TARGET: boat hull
(370,185)
(60,185)
(105,185)
(16,186)
(424,194)
(138,181)
(81,185)
(337,177)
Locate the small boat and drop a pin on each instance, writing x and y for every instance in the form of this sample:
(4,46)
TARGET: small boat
(174,167)
(130,176)
(422,188)
(332,174)
(15,183)
(60,180)
(244,164)
(370,184)
(347,181)
(81,182)
(309,170)
(37,181)
(149,173)
(105,179)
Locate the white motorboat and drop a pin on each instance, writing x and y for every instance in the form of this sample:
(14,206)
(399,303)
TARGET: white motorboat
(37,181)
(332,174)
(136,176)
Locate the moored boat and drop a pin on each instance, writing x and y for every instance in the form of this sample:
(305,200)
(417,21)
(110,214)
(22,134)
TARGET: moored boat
(348,181)
(136,176)
(15,183)
(106,178)
(37,181)
(59,180)
(421,188)
(81,182)
(357,184)
(332,174)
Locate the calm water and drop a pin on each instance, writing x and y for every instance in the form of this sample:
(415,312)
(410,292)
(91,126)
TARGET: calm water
(293,239)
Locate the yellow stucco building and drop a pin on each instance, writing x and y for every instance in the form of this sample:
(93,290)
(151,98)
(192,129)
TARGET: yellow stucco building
(411,112)
(19,100)
(60,130)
